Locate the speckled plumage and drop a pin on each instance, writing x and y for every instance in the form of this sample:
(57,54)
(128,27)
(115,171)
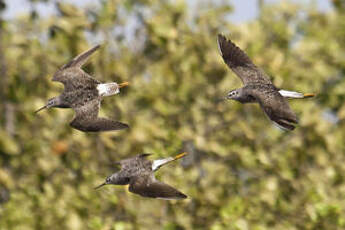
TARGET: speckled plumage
(257,86)
(139,174)
(81,94)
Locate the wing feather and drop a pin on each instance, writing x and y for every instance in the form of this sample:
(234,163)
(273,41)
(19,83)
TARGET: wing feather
(148,186)
(240,63)
(71,74)
(276,108)
(80,60)
(87,120)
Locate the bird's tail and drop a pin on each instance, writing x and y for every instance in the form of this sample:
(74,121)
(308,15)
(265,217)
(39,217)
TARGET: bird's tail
(293,94)
(160,162)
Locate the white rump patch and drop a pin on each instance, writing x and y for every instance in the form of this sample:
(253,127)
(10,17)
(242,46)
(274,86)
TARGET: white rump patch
(220,50)
(158,163)
(108,89)
(279,126)
(291,94)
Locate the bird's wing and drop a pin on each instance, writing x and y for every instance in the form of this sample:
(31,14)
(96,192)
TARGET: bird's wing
(80,60)
(76,79)
(240,63)
(276,108)
(71,74)
(87,120)
(127,163)
(147,186)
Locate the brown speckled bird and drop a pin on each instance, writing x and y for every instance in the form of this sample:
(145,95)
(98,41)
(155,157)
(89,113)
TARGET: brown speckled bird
(138,172)
(84,94)
(257,86)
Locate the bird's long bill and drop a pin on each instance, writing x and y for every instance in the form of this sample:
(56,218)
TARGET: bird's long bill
(126,83)
(306,95)
(221,99)
(101,185)
(180,155)
(43,107)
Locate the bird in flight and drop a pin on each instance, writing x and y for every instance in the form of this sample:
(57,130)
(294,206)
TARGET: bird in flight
(138,172)
(84,94)
(257,86)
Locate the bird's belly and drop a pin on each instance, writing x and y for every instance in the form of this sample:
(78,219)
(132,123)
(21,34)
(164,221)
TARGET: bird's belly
(79,97)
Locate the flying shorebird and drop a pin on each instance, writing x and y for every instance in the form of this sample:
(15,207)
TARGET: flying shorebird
(84,94)
(138,172)
(257,86)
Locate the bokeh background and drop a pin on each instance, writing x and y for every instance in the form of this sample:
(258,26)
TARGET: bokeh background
(242,172)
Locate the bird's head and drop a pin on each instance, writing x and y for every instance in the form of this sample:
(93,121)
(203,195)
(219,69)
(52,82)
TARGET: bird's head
(52,102)
(233,94)
(116,179)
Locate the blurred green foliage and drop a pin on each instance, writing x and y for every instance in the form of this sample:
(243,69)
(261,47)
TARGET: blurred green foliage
(242,172)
